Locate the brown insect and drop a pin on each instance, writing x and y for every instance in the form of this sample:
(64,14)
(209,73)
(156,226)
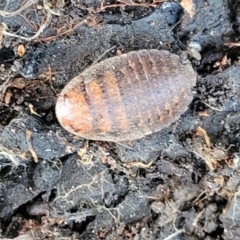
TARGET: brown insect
(127,97)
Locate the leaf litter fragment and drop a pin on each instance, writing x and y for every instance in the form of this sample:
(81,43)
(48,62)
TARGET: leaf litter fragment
(29,143)
(188,6)
(21,50)
(204,149)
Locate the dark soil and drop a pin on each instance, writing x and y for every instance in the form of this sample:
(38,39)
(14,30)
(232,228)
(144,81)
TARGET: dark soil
(180,183)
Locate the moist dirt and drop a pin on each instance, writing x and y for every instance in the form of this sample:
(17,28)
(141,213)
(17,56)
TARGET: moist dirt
(179,183)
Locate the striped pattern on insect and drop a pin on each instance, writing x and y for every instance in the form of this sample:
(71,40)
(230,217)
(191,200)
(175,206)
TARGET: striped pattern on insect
(127,97)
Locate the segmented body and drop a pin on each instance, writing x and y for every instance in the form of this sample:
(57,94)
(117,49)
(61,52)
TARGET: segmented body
(127,97)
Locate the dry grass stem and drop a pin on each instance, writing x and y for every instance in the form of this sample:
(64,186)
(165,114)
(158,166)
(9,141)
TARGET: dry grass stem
(30,146)
(28,3)
(173,235)
(36,35)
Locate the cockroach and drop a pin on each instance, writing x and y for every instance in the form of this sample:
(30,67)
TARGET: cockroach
(127,97)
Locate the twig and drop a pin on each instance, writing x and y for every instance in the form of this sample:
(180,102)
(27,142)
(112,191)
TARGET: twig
(30,146)
(213,108)
(62,33)
(199,196)
(122,3)
(232,44)
(36,35)
(138,164)
(102,55)
(206,137)
(10,157)
(11,14)
(46,6)
(174,234)
(195,220)
(14,156)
